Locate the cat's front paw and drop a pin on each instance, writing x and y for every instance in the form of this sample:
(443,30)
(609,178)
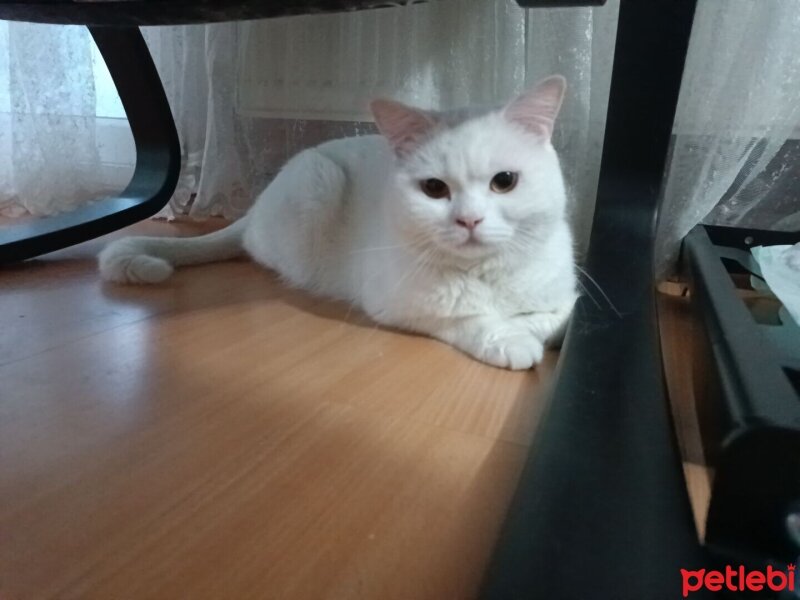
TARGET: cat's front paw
(515,351)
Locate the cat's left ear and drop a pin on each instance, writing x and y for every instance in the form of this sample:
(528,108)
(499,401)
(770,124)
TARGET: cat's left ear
(404,126)
(536,110)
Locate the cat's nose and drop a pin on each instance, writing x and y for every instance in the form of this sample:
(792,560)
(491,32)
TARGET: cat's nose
(468,223)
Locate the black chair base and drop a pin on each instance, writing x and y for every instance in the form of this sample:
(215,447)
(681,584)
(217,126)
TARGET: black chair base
(748,399)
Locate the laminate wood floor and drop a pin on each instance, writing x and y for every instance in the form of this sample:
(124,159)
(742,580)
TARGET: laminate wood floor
(221,436)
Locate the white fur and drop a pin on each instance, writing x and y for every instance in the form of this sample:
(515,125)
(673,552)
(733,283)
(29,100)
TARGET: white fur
(793,257)
(348,220)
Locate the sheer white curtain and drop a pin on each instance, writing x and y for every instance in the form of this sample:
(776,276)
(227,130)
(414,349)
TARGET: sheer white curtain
(248,95)
(736,157)
(49,154)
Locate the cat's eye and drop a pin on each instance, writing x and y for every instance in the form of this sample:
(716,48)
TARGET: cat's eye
(504,182)
(435,188)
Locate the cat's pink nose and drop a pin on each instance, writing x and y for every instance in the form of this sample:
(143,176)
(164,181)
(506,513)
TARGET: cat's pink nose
(468,223)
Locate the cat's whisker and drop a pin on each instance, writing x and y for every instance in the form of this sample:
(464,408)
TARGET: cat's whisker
(375,327)
(382,248)
(422,261)
(599,289)
(419,264)
(351,305)
(516,244)
(588,293)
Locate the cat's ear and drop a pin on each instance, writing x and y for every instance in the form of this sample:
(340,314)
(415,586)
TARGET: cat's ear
(402,125)
(536,110)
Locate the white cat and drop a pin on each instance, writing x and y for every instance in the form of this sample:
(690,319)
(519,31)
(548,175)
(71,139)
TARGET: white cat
(449,225)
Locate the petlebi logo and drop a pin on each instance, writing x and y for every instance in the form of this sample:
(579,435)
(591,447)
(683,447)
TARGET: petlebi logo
(738,579)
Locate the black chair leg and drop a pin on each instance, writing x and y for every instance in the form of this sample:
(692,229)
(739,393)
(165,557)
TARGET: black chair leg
(157,157)
(602,510)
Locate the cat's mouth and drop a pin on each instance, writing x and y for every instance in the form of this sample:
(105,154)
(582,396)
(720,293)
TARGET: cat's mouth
(473,245)
(473,238)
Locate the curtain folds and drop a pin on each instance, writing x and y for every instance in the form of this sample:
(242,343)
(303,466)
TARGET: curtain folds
(735,156)
(246,96)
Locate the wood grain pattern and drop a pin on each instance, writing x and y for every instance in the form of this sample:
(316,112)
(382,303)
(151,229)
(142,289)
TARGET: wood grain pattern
(676,327)
(222,436)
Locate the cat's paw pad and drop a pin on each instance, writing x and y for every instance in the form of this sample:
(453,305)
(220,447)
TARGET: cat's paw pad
(516,351)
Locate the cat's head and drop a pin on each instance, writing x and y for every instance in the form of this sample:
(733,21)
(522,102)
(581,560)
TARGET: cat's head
(475,186)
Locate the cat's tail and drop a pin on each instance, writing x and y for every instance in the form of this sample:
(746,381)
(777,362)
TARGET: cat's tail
(152,259)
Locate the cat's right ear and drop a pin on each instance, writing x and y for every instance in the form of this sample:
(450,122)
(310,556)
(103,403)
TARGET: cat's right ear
(536,110)
(405,127)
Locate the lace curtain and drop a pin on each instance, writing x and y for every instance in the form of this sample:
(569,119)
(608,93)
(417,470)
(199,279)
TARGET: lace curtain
(49,154)
(248,95)
(736,156)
